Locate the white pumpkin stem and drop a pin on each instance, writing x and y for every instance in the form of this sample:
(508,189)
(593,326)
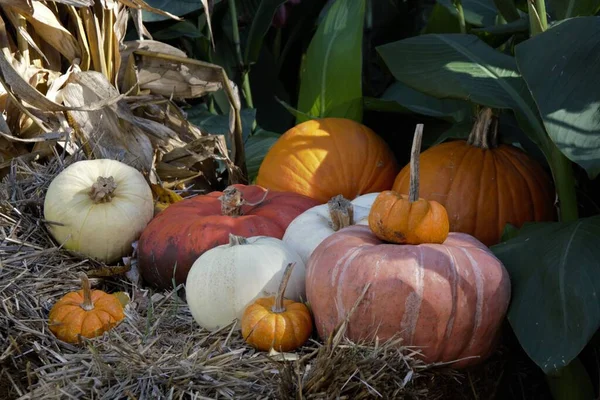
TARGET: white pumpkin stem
(232,201)
(278,306)
(235,240)
(484,133)
(413,194)
(102,190)
(341,212)
(87,304)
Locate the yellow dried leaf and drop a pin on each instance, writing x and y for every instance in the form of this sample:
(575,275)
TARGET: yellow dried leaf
(123,297)
(163,197)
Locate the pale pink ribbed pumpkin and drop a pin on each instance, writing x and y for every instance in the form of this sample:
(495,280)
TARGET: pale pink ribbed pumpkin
(448,299)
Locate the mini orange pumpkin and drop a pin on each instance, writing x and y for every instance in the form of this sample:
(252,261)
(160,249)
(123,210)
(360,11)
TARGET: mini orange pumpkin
(87,313)
(402,219)
(275,323)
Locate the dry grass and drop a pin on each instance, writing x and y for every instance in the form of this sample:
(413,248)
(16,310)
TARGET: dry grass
(159,352)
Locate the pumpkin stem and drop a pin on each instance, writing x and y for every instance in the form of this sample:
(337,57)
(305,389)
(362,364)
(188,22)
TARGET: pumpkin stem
(341,212)
(413,194)
(278,306)
(484,133)
(232,201)
(235,240)
(87,304)
(102,190)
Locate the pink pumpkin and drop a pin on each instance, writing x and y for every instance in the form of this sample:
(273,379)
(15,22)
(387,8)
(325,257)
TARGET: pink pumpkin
(447,299)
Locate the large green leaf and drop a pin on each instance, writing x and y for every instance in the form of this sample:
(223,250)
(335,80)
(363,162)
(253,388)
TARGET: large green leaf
(574,8)
(561,69)
(477,12)
(555,274)
(331,75)
(175,7)
(260,25)
(257,147)
(464,67)
(399,97)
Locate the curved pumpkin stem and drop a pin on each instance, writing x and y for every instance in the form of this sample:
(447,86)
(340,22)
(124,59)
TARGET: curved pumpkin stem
(235,240)
(413,194)
(102,190)
(278,306)
(485,130)
(87,304)
(341,212)
(232,201)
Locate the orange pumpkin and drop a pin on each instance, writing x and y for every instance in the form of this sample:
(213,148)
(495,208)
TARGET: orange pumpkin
(409,219)
(275,323)
(87,313)
(328,157)
(483,185)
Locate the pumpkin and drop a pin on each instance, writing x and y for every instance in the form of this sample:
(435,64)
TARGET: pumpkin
(409,219)
(326,157)
(224,280)
(181,233)
(449,300)
(309,229)
(277,323)
(86,313)
(482,184)
(98,208)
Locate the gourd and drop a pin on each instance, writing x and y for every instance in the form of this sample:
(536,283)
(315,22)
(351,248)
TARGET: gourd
(309,229)
(277,323)
(98,208)
(409,219)
(224,280)
(86,313)
(326,157)
(482,184)
(449,300)
(182,232)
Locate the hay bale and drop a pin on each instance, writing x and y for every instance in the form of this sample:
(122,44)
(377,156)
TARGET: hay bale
(159,351)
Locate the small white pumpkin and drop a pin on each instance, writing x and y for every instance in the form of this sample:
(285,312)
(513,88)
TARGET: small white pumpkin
(98,208)
(316,224)
(224,280)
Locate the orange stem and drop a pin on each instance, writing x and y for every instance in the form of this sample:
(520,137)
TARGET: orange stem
(87,304)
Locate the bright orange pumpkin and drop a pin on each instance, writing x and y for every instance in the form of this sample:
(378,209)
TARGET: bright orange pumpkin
(482,184)
(402,219)
(327,157)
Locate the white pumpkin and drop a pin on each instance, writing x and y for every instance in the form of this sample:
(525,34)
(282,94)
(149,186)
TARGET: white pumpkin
(224,280)
(314,225)
(98,208)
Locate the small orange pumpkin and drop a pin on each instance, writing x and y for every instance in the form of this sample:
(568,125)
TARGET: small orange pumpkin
(87,313)
(275,323)
(402,219)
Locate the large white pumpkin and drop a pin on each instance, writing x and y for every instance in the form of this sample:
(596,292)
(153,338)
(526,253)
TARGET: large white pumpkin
(316,224)
(224,280)
(98,208)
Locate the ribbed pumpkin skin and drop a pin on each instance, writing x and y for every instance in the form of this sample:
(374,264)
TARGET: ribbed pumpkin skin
(327,157)
(186,229)
(483,189)
(449,299)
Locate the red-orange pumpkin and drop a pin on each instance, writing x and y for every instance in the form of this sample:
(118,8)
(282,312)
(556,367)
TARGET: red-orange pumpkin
(448,299)
(177,236)
(328,157)
(483,185)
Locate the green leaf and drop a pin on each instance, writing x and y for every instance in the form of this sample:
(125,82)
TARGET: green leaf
(217,124)
(441,20)
(464,67)
(177,30)
(257,147)
(477,12)
(507,9)
(561,69)
(331,75)
(518,26)
(555,274)
(175,7)
(260,25)
(564,9)
(421,103)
